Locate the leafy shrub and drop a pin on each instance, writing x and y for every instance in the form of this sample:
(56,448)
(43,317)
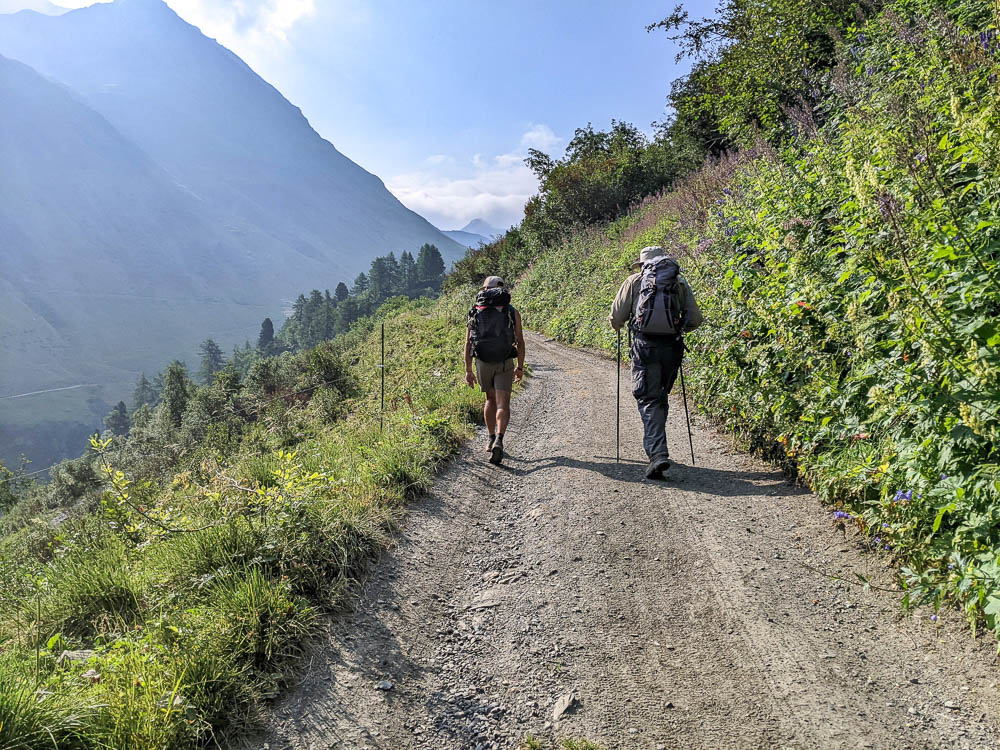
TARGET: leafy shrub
(856,292)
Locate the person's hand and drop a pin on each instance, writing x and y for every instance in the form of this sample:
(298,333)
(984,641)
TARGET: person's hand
(470,378)
(518,373)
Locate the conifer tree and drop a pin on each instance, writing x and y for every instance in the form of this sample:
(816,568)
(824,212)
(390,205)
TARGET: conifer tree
(392,267)
(243,357)
(158,386)
(341,292)
(144,393)
(430,266)
(313,331)
(407,272)
(117,421)
(329,316)
(212,360)
(380,278)
(175,392)
(265,340)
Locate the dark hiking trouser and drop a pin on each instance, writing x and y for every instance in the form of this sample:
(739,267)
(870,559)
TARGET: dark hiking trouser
(654,369)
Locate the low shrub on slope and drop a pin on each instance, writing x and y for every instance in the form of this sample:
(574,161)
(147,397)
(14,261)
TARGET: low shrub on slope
(184,602)
(851,284)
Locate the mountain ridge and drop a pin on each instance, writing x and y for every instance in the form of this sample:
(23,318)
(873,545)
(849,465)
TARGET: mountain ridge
(469,239)
(253,206)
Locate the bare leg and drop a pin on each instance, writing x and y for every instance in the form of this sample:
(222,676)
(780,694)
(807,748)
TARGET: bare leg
(490,411)
(502,410)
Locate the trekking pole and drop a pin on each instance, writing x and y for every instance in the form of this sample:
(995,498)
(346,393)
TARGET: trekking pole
(381,412)
(687,419)
(618,401)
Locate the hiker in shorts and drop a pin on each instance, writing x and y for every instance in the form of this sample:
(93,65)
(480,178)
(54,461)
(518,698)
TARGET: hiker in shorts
(495,340)
(659,307)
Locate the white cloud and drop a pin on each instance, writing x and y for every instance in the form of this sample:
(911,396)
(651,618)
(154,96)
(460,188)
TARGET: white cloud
(540,137)
(438,160)
(250,28)
(493,188)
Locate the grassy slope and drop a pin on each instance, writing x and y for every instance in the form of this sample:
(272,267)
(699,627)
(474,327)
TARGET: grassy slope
(852,291)
(192,628)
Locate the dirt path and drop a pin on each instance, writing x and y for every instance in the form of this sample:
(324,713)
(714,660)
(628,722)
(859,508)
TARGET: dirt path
(678,614)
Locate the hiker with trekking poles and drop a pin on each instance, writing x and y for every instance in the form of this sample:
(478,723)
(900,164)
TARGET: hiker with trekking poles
(494,340)
(658,305)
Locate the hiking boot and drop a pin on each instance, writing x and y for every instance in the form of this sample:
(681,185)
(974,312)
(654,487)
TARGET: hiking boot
(489,447)
(657,467)
(496,451)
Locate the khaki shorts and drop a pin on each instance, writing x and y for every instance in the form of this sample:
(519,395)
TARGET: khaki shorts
(495,376)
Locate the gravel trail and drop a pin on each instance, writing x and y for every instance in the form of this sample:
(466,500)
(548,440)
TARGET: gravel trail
(677,614)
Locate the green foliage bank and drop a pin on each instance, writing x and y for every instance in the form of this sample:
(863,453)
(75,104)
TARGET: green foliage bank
(171,588)
(848,267)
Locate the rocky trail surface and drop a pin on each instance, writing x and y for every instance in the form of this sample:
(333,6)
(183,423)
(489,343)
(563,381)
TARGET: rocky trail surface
(566,595)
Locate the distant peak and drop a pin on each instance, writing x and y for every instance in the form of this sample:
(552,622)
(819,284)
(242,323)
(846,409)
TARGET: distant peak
(144,6)
(37,6)
(479,226)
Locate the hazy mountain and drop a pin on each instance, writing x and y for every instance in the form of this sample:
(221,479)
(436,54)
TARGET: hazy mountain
(222,132)
(479,226)
(467,238)
(107,267)
(154,191)
(39,6)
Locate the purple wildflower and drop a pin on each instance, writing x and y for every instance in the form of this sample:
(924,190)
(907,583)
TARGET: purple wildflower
(888,206)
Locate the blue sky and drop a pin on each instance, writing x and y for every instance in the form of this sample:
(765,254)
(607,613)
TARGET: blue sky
(443,98)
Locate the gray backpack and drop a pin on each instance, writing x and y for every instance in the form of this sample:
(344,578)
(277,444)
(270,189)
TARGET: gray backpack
(660,310)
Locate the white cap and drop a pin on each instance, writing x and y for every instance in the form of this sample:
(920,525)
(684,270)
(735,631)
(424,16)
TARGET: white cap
(647,254)
(492,281)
